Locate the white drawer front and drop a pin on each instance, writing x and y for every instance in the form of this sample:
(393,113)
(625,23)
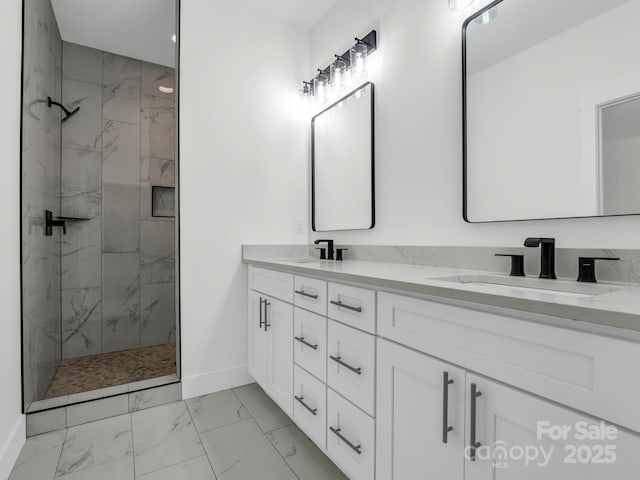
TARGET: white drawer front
(310,342)
(353,306)
(582,370)
(351,365)
(350,438)
(310,406)
(311,294)
(275,284)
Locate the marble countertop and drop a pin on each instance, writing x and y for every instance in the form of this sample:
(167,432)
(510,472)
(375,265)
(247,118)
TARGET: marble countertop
(619,308)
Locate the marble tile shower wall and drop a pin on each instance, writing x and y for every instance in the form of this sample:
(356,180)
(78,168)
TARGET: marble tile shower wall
(118,263)
(41,191)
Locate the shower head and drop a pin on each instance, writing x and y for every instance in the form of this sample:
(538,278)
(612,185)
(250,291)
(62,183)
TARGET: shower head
(68,114)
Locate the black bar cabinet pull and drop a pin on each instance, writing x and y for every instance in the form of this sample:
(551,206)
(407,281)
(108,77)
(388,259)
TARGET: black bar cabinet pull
(339,361)
(266,323)
(355,448)
(305,294)
(474,444)
(300,400)
(339,304)
(262,300)
(446,428)
(304,342)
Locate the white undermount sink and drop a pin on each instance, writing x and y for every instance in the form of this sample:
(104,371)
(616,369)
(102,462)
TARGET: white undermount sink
(301,260)
(538,285)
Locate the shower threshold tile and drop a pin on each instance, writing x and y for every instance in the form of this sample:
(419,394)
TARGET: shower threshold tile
(48,404)
(152,383)
(96,394)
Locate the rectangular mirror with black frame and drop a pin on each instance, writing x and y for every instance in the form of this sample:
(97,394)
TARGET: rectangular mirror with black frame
(342,164)
(99,130)
(551,110)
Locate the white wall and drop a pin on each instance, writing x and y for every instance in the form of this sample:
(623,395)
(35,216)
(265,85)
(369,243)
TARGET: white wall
(11,420)
(244,170)
(418,132)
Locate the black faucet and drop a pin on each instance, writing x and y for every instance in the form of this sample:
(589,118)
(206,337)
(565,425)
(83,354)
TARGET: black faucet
(330,251)
(547,255)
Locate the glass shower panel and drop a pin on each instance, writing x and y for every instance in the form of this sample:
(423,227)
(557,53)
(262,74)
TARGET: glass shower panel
(99,161)
(40,191)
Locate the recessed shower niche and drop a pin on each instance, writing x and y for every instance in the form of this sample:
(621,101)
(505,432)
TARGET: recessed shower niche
(98,265)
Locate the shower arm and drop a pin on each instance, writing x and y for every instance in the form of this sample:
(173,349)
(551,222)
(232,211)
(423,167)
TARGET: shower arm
(68,114)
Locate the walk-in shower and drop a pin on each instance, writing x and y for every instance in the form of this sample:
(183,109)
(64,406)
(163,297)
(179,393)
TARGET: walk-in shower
(99,201)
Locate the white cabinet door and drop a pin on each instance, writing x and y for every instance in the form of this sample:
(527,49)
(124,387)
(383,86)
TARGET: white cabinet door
(413,421)
(279,327)
(257,339)
(515,446)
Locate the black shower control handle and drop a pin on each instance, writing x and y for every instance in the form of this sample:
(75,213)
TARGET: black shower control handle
(49,223)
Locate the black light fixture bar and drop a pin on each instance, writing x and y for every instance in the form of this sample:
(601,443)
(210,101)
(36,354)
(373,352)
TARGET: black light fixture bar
(370,40)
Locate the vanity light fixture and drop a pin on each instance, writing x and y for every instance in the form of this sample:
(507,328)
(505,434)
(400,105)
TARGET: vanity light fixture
(338,75)
(334,77)
(321,86)
(460,4)
(487,16)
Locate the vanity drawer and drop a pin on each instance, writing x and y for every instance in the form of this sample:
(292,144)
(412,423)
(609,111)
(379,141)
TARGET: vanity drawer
(583,370)
(353,306)
(310,342)
(310,406)
(351,364)
(270,282)
(311,294)
(350,438)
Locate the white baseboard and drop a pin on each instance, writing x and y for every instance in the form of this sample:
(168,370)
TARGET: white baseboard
(212,382)
(12,447)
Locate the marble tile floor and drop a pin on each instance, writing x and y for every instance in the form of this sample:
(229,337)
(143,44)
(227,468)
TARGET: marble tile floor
(77,375)
(238,434)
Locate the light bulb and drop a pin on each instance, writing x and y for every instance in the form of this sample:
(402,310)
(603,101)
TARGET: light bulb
(459,4)
(174,38)
(487,16)
(359,55)
(321,87)
(306,94)
(338,70)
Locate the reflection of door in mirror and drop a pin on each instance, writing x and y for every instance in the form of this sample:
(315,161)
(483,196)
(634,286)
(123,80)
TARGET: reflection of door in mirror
(620,157)
(537,76)
(342,164)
